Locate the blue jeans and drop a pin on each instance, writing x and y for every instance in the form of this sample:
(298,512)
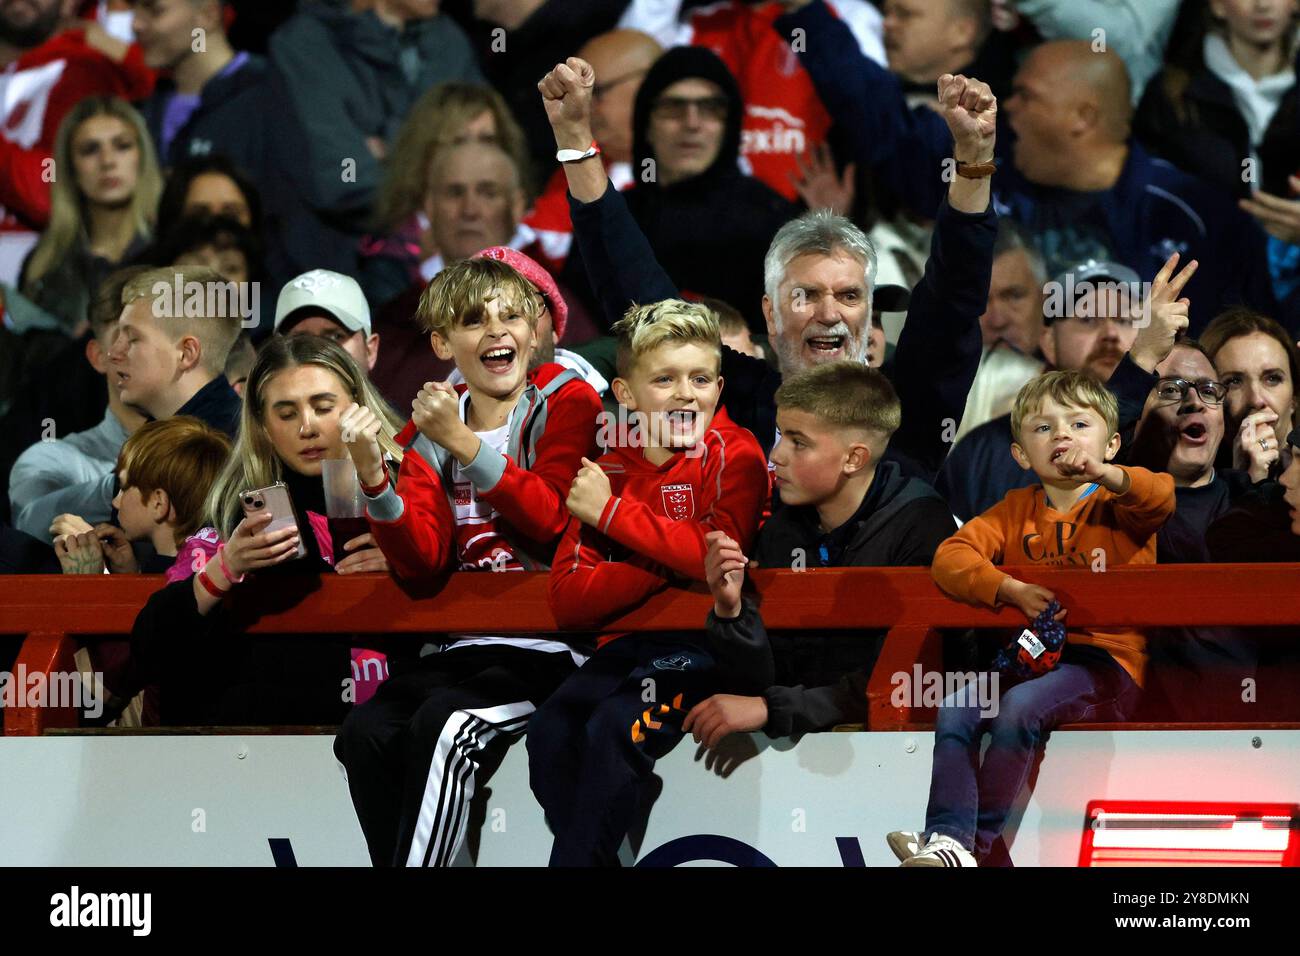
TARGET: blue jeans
(970,801)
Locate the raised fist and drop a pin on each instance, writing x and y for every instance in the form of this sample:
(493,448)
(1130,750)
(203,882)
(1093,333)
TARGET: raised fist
(589,493)
(566,94)
(435,411)
(360,432)
(971,111)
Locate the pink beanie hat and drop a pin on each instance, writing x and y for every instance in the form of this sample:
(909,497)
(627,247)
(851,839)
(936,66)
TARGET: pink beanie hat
(533,271)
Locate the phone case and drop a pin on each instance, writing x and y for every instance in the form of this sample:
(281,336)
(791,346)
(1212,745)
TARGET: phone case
(275,500)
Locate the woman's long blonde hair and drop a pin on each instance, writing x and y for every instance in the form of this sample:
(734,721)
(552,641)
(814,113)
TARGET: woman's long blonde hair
(433,123)
(67,224)
(253,462)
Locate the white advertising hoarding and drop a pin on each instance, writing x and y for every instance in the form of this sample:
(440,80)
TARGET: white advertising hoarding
(827,801)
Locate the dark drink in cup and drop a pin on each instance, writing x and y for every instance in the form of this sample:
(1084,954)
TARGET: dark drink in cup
(343,530)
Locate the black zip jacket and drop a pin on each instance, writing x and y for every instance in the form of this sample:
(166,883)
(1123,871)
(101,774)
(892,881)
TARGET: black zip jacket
(820,679)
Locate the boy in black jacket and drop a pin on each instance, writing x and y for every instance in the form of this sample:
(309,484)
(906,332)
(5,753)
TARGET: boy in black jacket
(843,507)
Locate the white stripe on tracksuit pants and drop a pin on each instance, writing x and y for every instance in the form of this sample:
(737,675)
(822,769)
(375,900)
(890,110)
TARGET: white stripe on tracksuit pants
(440,828)
(431,737)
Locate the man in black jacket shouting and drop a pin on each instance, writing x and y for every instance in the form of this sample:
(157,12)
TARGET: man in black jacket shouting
(844,507)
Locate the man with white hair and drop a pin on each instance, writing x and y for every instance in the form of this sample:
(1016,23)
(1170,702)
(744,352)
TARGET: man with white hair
(818,276)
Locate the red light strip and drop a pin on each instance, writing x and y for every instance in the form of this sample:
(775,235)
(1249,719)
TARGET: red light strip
(1157,833)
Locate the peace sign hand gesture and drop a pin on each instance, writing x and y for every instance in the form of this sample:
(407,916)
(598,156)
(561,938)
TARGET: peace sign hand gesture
(1166,316)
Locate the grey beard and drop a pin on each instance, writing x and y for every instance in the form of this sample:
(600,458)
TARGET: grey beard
(790,358)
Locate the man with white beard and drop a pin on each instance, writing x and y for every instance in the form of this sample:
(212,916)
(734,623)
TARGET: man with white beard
(818,276)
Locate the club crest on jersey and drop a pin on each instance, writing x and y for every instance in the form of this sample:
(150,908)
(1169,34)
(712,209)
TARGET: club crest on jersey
(679,501)
(463,496)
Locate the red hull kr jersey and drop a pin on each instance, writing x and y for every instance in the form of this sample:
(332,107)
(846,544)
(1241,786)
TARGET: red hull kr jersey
(784,117)
(480,545)
(652,529)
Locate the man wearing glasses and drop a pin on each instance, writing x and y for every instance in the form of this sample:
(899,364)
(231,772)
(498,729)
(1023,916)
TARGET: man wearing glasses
(1195,673)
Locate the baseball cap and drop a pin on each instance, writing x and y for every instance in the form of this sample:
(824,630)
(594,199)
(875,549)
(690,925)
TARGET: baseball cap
(1089,272)
(321,290)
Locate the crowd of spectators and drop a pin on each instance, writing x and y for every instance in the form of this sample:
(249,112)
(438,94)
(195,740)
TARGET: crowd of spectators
(239,240)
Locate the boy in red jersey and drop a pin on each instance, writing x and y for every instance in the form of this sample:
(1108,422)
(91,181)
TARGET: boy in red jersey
(481,488)
(640,516)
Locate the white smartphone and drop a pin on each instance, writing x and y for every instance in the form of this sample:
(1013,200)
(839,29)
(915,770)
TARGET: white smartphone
(275,501)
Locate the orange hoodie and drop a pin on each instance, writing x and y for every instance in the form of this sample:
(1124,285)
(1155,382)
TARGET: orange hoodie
(1023,529)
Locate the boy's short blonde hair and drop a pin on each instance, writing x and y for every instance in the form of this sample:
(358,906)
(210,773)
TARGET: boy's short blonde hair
(216,333)
(463,290)
(646,327)
(844,395)
(181,456)
(1078,389)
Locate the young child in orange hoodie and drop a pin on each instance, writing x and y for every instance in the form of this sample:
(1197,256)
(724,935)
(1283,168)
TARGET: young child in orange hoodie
(1065,428)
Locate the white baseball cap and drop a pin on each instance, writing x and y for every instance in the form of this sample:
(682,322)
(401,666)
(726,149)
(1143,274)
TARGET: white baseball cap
(331,292)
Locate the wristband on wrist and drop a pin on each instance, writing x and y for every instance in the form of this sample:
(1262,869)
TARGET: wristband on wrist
(208,586)
(578,155)
(976,170)
(225,568)
(373,491)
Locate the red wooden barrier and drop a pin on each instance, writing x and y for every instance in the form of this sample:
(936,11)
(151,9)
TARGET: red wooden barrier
(51,610)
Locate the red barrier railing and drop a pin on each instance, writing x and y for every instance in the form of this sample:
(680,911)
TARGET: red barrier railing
(49,612)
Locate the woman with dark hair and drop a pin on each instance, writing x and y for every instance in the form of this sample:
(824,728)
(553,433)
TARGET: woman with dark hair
(1259,363)
(213,185)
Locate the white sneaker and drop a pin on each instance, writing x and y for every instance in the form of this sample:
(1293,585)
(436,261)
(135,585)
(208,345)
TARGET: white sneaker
(941,851)
(905,843)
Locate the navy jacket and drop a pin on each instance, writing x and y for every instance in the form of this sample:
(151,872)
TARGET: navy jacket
(229,119)
(938,350)
(980,471)
(217,404)
(1154,209)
